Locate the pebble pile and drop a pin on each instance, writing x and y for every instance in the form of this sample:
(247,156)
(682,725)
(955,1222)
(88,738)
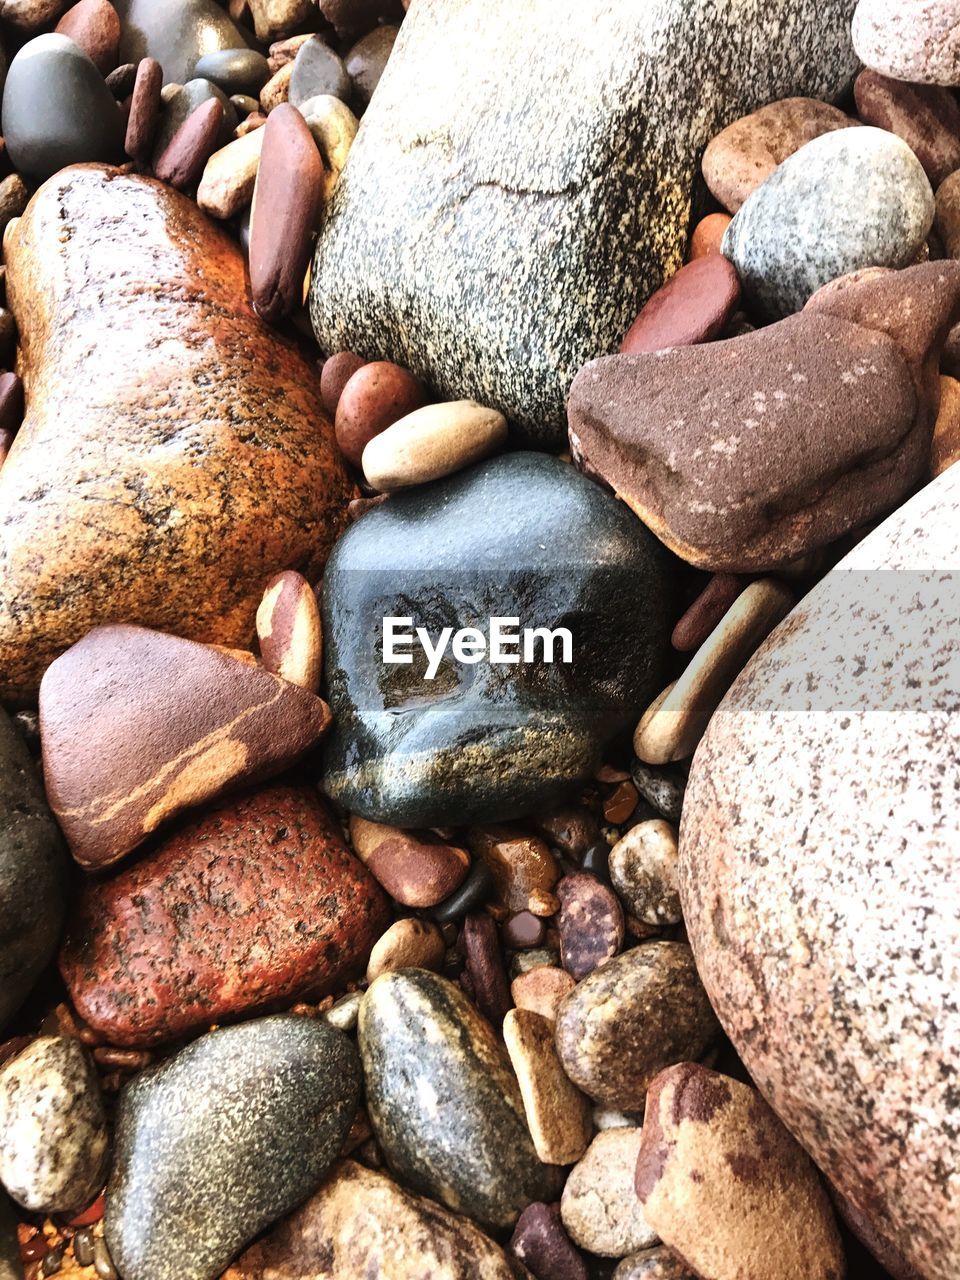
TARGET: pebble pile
(343,935)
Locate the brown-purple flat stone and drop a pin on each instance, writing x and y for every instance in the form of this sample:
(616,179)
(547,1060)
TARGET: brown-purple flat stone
(694,306)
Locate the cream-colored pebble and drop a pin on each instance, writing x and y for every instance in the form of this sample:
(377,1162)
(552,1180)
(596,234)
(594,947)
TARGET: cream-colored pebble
(229,176)
(599,1205)
(277,89)
(644,870)
(334,127)
(541,989)
(289,630)
(675,722)
(558,1114)
(432,442)
(408,944)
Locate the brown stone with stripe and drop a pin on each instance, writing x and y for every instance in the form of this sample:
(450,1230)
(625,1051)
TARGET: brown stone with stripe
(137,726)
(289,630)
(416,870)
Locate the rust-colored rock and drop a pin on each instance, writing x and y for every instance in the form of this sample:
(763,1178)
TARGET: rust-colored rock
(198,459)
(95,27)
(523,868)
(250,905)
(137,726)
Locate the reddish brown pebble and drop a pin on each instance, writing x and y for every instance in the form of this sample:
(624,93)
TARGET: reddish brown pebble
(415,870)
(289,632)
(249,906)
(925,116)
(95,27)
(34,1249)
(485,967)
(541,1244)
(336,373)
(144,109)
(93,1213)
(121,80)
(694,306)
(122,1059)
(609,773)
(286,200)
(524,930)
(374,398)
(590,924)
(708,235)
(358,507)
(572,829)
(618,807)
(541,990)
(137,726)
(10,1048)
(706,611)
(191,146)
(523,868)
(11,402)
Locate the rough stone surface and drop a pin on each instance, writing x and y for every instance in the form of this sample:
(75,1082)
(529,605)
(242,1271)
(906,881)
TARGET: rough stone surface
(540,1241)
(851,199)
(443,1101)
(219,1141)
(727,1187)
(945,447)
(841,993)
(523,534)
(599,1206)
(802,431)
(558,1115)
(590,923)
(918,41)
(175,32)
(925,116)
(95,27)
(643,870)
(219,468)
(641,1012)
(658,1263)
(591,199)
(252,904)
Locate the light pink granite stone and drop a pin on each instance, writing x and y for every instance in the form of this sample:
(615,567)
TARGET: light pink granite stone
(916,40)
(820,852)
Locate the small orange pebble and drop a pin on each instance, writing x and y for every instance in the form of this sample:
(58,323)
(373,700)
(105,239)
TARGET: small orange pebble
(708,235)
(618,807)
(87,1217)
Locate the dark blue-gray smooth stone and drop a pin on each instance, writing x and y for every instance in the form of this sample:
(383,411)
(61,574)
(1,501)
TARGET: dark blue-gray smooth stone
(234,70)
(318,70)
(175,32)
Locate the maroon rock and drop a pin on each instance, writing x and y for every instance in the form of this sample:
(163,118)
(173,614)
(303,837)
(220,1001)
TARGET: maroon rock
(746,454)
(249,906)
(95,27)
(11,402)
(706,611)
(541,1244)
(336,373)
(286,200)
(184,156)
(590,923)
(925,116)
(693,306)
(137,726)
(485,968)
(144,110)
(121,80)
(524,930)
(374,398)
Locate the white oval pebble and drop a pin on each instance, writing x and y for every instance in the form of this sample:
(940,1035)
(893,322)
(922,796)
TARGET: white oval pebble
(432,442)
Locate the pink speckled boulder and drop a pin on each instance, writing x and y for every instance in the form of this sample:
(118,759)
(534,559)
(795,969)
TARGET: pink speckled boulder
(819,864)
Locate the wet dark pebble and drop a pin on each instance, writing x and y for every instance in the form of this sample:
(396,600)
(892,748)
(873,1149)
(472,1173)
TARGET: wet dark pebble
(472,893)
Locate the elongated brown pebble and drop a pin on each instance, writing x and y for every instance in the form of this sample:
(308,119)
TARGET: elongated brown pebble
(289,631)
(485,967)
(558,1114)
(145,104)
(706,611)
(191,146)
(285,203)
(11,402)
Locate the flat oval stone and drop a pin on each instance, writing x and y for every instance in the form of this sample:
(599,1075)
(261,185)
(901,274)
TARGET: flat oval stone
(95,27)
(317,69)
(181,106)
(57,111)
(33,873)
(640,1012)
(693,306)
(431,443)
(175,32)
(409,943)
(443,1101)
(829,941)
(850,199)
(526,535)
(926,117)
(54,1147)
(590,924)
(252,904)
(918,41)
(376,395)
(211,1146)
(234,70)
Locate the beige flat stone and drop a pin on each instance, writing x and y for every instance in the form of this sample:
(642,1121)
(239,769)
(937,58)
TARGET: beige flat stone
(432,442)
(230,175)
(558,1114)
(408,944)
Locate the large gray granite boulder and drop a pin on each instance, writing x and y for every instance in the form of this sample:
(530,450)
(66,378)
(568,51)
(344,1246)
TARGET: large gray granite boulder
(522,179)
(820,857)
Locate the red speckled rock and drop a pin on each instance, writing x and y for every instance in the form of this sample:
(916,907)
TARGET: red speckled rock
(253,904)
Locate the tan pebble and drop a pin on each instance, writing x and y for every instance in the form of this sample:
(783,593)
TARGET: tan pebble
(289,630)
(432,442)
(522,866)
(277,89)
(407,944)
(283,52)
(276,19)
(599,1206)
(708,235)
(343,1015)
(558,1114)
(644,869)
(945,447)
(169,91)
(671,728)
(31,15)
(334,127)
(230,175)
(540,990)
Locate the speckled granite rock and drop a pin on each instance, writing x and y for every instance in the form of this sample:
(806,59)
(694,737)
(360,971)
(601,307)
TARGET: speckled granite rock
(33,866)
(520,536)
(850,199)
(653,1264)
(54,1147)
(599,1207)
(219,468)
(443,1101)
(215,1144)
(175,32)
(835,964)
(479,190)
(919,41)
(251,904)
(745,454)
(360,1223)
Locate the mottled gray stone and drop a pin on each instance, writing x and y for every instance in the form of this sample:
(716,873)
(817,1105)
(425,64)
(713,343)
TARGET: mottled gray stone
(317,69)
(444,1102)
(819,861)
(847,200)
(175,32)
(33,872)
(57,110)
(219,1141)
(53,1131)
(523,179)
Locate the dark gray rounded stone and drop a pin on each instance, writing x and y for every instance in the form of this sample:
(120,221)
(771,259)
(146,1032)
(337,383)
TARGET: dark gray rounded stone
(234,70)
(57,110)
(175,32)
(221,1140)
(33,872)
(11,1268)
(183,103)
(444,1102)
(367,60)
(523,535)
(317,69)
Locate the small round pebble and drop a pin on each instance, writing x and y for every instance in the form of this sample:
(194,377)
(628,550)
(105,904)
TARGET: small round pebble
(523,930)
(408,944)
(708,235)
(243,71)
(337,371)
(541,1244)
(590,924)
(542,989)
(317,69)
(643,871)
(376,396)
(599,1206)
(694,306)
(658,1263)
(432,442)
